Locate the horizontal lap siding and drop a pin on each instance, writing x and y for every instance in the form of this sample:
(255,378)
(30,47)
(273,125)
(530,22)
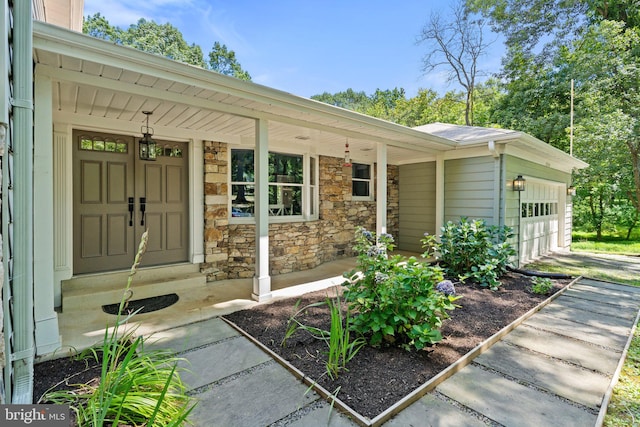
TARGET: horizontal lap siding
(417,204)
(470,189)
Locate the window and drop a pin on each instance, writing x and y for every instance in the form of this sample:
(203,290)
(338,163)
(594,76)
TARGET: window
(108,145)
(292,184)
(361,181)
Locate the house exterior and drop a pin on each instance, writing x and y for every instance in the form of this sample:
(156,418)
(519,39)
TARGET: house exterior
(478,183)
(244,181)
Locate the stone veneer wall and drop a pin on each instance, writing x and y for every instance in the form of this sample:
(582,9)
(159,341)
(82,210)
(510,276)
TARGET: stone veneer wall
(293,246)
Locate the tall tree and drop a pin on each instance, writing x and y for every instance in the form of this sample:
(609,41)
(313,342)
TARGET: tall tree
(165,40)
(349,99)
(162,39)
(594,42)
(224,61)
(606,63)
(455,45)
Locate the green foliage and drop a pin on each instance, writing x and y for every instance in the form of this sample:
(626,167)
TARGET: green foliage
(394,298)
(595,44)
(624,408)
(165,40)
(136,386)
(224,61)
(613,242)
(541,285)
(472,250)
(341,349)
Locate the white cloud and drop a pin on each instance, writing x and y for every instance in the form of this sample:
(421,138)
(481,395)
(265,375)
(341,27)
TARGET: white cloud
(123,13)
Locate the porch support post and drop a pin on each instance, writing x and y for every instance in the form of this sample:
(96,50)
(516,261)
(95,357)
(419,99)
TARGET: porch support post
(261,279)
(381,189)
(46,319)
(439,194)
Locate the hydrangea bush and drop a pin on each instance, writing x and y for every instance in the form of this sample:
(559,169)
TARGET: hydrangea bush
(394,298)
(472,250)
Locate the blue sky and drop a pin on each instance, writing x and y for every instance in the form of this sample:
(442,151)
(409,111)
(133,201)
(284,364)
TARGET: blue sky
(307,47)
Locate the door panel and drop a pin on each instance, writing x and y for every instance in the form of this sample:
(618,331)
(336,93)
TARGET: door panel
(91,246)
(117,182)
(164,184)
(117,226)
(107,175)
(91,181)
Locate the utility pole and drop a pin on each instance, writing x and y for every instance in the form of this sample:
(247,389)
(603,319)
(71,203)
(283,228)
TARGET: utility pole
(571,125)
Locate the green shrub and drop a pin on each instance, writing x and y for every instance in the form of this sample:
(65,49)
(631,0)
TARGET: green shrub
(541,285)
(394,299)
(472,250)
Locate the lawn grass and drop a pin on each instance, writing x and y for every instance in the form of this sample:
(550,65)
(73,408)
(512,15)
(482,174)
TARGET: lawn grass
(611,244)
(624,407)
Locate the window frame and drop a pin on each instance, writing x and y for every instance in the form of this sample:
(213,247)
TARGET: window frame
(309,188)
(370,181)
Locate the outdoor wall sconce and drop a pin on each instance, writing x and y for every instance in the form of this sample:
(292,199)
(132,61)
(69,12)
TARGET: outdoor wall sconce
(347,155)
(518,183)
(147,145)
(571,191)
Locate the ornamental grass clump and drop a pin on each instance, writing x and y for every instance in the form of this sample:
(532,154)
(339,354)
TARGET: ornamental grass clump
(341,348)
(394,298)
(472,250)
(136,386)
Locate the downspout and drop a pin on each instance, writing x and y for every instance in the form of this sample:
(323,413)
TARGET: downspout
(22,104)
(497,194)
(5,28)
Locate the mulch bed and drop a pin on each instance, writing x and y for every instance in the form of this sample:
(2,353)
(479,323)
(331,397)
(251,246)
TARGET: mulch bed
(379,377)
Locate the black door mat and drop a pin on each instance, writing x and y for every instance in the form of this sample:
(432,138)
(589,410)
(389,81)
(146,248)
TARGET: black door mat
(145,305)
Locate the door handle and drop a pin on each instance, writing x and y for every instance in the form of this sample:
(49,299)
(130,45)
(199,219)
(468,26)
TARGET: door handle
(143,208)
(131,203)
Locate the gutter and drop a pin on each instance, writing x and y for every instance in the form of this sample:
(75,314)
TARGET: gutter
(23,351)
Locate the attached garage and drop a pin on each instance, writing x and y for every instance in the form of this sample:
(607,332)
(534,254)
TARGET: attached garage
(476,181)
(539,219)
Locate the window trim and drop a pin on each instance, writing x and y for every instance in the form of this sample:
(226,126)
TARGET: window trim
(308,196)
(370,197)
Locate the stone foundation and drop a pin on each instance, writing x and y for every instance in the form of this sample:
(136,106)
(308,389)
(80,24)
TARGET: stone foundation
(294,246)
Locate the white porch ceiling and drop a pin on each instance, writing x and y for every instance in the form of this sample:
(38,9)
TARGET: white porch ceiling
(107,86)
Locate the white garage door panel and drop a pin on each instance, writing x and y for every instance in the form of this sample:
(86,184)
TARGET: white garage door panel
(538,220)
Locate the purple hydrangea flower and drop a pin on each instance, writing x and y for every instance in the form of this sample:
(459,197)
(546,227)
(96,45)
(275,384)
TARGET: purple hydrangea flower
(380,278)
(446,287)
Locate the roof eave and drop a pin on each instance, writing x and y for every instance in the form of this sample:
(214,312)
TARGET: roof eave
(59,40)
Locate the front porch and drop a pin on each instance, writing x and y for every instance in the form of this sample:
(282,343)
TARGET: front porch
(82,323)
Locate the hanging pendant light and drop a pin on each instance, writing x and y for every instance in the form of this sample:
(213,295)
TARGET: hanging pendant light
(147,144)
(347,155)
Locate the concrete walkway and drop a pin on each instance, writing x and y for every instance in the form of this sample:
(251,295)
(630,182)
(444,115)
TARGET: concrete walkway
(554,369)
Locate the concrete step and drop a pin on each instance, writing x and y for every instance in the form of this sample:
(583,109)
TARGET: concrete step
(96,290)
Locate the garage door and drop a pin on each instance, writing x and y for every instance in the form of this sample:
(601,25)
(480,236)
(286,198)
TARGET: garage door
(538,220)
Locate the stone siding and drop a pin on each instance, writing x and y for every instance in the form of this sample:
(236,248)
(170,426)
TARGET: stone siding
(293,246)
